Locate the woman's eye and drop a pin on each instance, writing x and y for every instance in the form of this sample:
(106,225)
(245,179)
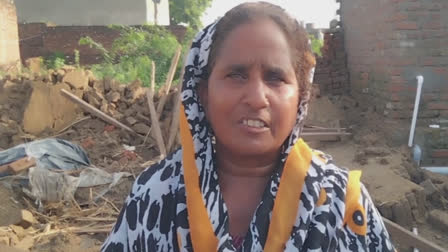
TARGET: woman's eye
(274,78)
(236,76)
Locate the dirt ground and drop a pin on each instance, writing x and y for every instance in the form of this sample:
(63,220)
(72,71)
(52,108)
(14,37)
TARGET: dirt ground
(393,181)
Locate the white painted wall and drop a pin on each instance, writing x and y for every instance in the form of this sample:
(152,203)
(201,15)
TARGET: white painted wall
(90,12)
(163,12)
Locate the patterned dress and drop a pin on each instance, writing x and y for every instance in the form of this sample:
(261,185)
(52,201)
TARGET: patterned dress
(309,203)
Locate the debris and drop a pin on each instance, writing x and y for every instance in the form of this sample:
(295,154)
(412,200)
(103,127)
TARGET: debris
(34,65)
(21,165)
(51,186)
(409,238)
(439,219)
(27,219)
(128,148)
(9,208)
(95,111)
(376,151)
(141,128)
(429,187)
(42,113)
(131,120)
(77,79)
(383,161)
(361,158)
(113,97)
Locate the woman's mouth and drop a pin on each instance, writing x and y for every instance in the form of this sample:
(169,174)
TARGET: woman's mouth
(254,123)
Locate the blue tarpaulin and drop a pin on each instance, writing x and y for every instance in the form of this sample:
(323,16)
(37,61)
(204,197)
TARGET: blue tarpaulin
(49,153)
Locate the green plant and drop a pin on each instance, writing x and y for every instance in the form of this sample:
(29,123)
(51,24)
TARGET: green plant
(131,54)
(77,59)
(316,45)
(55,61)
(188,12)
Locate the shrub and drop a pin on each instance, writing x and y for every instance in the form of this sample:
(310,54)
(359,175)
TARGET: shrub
(131,54)
(55,61)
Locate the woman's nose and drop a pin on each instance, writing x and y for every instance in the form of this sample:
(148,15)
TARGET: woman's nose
(256,93)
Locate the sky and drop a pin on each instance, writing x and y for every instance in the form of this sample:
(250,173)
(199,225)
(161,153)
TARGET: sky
(319,12)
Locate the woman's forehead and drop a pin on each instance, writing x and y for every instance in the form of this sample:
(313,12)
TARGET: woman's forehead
(261,42)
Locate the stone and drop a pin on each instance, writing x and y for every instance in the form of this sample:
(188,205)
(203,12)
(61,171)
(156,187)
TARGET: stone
(9,84)
(386,209)
(429,187)
(383,161)
(110,85)
(402,213)
(25,244)
(113,96)
(27,219)
(9,208)
(94,98)
(42,113)
(91,76)
(131,120)
(4,240)
(360,157)
(77,79)
(134,91)
(60,73)
(104,108)
(68,68)
(141,128)
(129,112)
(439,219)
(34,65)
(98,86)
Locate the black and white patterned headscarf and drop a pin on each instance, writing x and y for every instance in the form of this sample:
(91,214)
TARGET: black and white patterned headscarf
(157,216)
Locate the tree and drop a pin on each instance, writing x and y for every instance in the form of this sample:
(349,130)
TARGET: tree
(188,12)
(316,45)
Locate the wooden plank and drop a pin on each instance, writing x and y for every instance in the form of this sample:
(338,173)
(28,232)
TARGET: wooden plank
(21,165)
(406,237)
(94,111)
(323,136)
(324,130)
(4,168)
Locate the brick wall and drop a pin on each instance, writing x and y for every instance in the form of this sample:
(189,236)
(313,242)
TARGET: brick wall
(331,69)
(9,41)
(38,39)
(389,43)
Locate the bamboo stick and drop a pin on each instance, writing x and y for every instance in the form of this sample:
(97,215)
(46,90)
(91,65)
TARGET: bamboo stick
(154,118)
(169,81)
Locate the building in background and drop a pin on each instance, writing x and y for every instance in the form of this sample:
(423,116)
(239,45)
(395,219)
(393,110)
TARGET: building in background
(93,12)
(9,37)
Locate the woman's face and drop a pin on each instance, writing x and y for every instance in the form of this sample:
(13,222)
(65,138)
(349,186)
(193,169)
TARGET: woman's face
(252,95)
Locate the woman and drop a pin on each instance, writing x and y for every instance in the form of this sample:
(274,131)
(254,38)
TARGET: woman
(243,180)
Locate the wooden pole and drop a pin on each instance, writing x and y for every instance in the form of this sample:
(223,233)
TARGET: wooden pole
(169,81)
(406,237)
(154,118)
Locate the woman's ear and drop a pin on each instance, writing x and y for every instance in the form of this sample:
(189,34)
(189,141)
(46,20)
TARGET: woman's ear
(203,94)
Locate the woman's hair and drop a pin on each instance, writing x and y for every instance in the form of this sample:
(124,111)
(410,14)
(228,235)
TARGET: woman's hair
(302,58)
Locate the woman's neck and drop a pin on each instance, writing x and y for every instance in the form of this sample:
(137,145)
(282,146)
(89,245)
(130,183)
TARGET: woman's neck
(237,165)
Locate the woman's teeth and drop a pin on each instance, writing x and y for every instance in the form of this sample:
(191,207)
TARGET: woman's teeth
(254,123)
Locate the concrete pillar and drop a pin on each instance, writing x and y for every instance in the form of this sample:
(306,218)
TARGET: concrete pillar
(9,37)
